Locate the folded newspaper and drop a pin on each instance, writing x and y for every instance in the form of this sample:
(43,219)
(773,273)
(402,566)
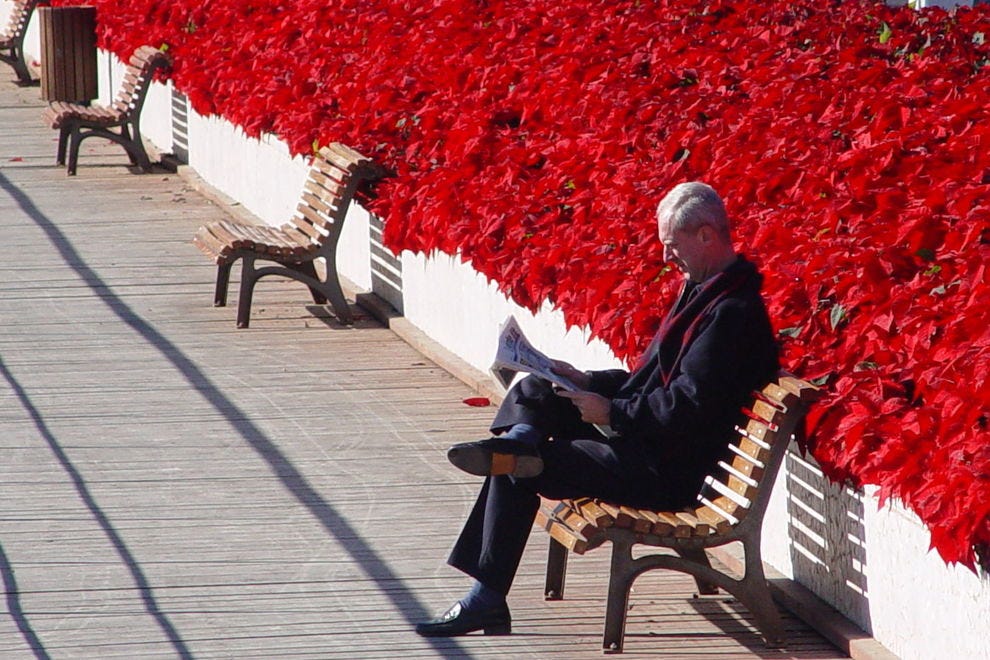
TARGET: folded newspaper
(515,354)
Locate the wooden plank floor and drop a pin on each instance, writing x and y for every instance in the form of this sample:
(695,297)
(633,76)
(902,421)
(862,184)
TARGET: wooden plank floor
(172,487)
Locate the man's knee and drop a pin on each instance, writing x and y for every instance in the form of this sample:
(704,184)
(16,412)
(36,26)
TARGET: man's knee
(533,388)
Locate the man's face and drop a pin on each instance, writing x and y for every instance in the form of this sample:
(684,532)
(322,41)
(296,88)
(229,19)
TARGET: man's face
(686,250)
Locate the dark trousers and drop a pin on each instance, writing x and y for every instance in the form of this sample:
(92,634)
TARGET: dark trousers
(578,462)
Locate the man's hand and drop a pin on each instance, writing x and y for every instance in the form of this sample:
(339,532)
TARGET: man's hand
(594,408)
(571,373)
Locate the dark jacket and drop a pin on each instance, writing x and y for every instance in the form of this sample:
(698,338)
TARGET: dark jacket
(677,410)
(684,399)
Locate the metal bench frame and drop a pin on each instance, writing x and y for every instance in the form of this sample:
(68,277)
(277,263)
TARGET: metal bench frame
(721,518)
(12,39)
(337,173)
(120,122)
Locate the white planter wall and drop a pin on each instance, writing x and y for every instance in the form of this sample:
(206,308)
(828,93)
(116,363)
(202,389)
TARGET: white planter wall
(458,308)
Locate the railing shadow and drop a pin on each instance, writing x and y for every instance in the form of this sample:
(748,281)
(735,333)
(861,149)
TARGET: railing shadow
(361,552)
(150,604)
(15,609)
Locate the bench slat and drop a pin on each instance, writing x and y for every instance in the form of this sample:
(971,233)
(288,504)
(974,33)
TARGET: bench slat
(561,533)
(756,429)
(716,521)
(306,226)
(767,412)
(593,513)
(640,523)
(333,186)
(574,520)
(747,468)
(302,225)
(227,233)
(208,243)
(344,157)
(698,527)
(329,192)
(679,528)
(315,219)
(618,516)
(326,209)
(730,507)
(740,487)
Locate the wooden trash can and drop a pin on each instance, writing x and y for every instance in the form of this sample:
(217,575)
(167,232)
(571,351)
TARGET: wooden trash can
(68,54)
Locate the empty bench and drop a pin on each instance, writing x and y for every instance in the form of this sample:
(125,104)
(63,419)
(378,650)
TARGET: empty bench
(119,122)
(12,39)
(293,248)
(729,508)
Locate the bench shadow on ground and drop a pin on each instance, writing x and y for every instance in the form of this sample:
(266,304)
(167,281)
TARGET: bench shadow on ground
(324,314)
(361,552)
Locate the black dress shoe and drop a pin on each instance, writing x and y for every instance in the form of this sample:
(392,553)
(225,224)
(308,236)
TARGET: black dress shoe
(496,456)
(458,621)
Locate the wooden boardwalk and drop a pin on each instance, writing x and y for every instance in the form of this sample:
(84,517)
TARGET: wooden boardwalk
(172,487)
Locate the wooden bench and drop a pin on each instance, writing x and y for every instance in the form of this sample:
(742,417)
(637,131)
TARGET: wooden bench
(119,122)
(729,508)
(12,39)
(337,173)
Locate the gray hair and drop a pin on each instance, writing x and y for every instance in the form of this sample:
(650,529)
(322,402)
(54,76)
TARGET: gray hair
(692,205)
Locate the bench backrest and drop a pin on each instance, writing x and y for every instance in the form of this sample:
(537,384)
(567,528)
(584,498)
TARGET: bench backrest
(335,176)
(741,488)
(18,21)
(138,76)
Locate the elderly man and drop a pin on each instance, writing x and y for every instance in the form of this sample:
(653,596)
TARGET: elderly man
(672,416)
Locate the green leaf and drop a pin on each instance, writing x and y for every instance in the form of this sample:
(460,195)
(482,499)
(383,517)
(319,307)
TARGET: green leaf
(885,33)
(979,38)
(791,332)
(837,315)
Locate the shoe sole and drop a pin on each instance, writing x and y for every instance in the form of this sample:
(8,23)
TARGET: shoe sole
(496,629)
(482,463)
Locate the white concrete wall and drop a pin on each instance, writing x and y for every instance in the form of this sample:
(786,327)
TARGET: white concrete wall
(872,564)
(461,310)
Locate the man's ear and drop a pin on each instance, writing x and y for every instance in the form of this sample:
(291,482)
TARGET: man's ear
(706,234)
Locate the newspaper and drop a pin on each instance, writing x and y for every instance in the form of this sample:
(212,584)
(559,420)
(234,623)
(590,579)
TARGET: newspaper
(515,354)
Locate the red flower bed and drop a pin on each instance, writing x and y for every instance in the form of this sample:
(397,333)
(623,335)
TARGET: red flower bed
(534,138)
